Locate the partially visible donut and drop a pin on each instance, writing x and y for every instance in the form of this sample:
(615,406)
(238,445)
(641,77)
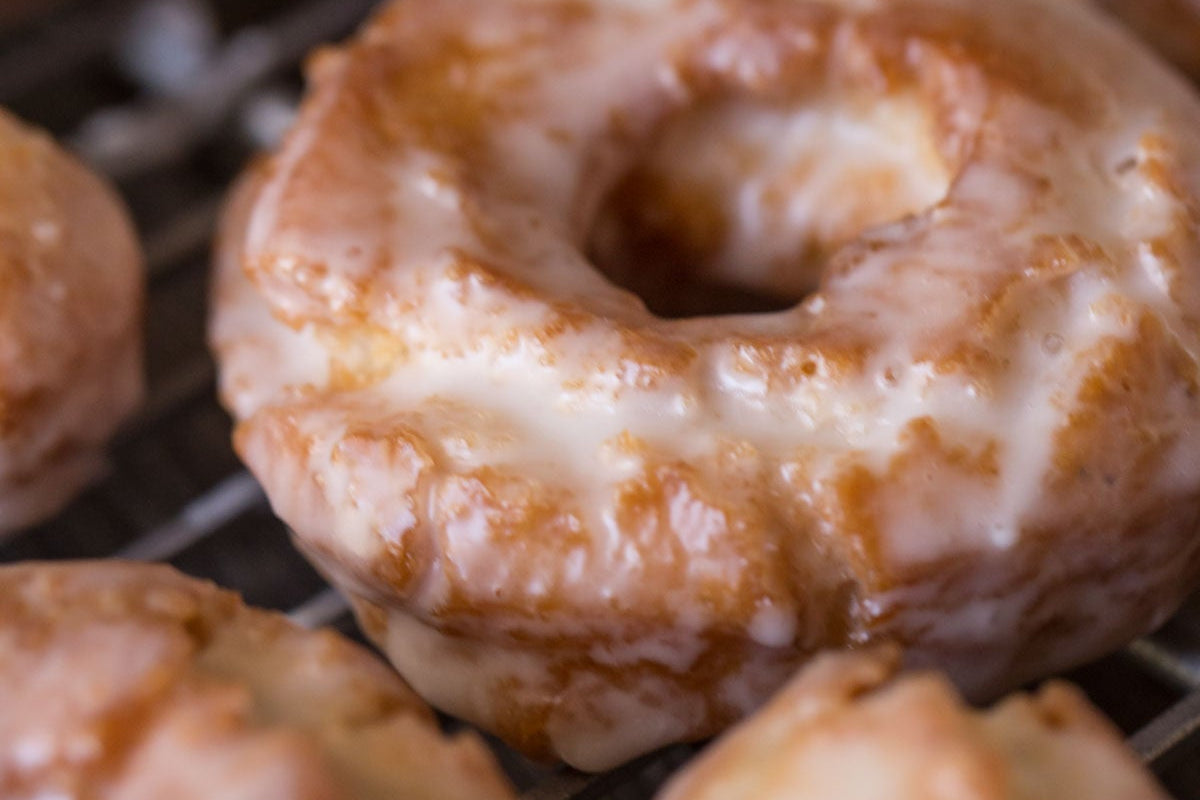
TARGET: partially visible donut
(132,681)
(595,529)
(71,291)
(1171,26)
(848,727)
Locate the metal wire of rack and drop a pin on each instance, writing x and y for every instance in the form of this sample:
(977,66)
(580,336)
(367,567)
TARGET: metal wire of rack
(169,97)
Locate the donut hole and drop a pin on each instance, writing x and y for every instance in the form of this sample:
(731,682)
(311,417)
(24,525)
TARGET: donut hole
(735,205)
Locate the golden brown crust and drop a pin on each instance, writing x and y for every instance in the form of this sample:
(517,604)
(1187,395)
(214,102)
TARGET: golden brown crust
(131,681)
(70,322)
(848,727)
(609,530)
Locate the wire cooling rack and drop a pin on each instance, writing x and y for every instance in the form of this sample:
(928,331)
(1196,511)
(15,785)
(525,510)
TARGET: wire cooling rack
(169,98)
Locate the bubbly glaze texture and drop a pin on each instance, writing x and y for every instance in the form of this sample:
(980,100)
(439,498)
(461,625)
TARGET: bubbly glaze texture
(596,530)
(846,727)
(70,324)
(132,681)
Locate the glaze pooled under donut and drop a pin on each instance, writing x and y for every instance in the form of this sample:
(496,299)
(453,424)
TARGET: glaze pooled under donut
(71,291)
(595,530)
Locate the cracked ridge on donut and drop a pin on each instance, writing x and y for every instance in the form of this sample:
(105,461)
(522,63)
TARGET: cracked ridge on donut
(849,727)
(71,296)
(129,680)
(595,530)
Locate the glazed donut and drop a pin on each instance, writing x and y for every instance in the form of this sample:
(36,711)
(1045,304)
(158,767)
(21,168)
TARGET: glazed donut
(1171,26)
(847,727)
(70,324)
(130,681)
(974,429)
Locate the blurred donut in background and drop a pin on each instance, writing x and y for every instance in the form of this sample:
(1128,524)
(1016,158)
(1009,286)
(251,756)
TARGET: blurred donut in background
(850,726)
(71,296)
(125,680)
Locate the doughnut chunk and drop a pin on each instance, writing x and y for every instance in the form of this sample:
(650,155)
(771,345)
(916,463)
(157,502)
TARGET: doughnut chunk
(1171,26)
(129,681)
(846,727)
(973,428)
(70,324)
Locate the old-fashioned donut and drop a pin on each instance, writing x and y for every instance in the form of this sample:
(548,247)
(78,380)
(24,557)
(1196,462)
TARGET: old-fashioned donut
(122,680)
(974,428)
(71,292)
(848,726)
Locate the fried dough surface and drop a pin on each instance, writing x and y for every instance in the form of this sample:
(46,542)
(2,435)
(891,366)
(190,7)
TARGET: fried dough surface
(594,529)
(122,681)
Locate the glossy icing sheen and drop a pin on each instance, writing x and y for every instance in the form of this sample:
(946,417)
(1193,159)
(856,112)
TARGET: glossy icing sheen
(132,681)
(847,727)
(595,530)
(70,323)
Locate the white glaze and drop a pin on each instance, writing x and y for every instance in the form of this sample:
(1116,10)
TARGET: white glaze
(562,472)
(132,681)
(849,727)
